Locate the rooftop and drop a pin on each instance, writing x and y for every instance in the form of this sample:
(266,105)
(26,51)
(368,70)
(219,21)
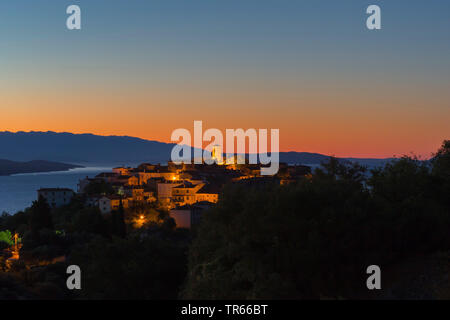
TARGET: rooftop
(209,188)
(185,184)
(197,205)
(107,174)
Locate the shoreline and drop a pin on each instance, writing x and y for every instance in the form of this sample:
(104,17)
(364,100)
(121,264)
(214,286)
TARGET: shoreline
(42,171)
(18,191)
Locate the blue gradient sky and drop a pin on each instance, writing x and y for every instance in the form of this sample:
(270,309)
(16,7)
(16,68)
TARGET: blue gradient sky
(310,68)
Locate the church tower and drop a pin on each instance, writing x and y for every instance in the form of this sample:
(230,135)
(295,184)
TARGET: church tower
(217,154)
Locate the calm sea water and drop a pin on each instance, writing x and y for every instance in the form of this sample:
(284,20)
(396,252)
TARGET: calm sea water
(18,191)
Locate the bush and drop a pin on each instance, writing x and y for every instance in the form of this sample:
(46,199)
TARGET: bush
(316,238)
(6,238)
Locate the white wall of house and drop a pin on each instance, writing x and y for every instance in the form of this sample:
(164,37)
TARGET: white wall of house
(56,197)
(104,205)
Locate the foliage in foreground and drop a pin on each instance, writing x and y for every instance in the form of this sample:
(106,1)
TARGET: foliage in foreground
(310,239)
(315,238)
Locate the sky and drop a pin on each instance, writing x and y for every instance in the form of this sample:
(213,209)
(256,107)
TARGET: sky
(311,69)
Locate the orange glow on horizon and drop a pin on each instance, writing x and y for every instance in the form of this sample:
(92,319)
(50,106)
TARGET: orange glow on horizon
(344,125)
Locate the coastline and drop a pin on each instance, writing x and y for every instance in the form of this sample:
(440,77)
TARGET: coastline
(18,191)
(9,168)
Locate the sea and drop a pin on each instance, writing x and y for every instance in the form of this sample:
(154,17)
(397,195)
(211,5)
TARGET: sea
(18,191)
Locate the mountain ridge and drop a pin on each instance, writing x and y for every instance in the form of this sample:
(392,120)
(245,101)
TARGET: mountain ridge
(8,167)
(88,147)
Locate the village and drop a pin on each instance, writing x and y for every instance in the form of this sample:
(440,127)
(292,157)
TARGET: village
(184,190)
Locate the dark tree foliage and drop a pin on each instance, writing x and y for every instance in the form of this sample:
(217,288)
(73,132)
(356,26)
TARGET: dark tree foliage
(99,187)
(441,161)
(309,239)
(169,224)
(11,288)
(149,211)
(118,226)
(441,172)
(315,238)
(135,268)
(89,220)
(22,283)
(16,222)
(41,216)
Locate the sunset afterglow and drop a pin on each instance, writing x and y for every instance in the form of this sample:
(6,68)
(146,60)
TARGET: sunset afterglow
(324,80)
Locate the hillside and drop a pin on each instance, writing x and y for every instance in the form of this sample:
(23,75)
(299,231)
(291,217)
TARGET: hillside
(26,146)
(8,167)
(308,158)
(90,148)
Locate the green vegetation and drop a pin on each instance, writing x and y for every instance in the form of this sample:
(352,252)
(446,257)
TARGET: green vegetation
(6,239)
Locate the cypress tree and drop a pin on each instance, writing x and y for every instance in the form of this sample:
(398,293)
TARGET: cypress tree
(41,216)
(118,222)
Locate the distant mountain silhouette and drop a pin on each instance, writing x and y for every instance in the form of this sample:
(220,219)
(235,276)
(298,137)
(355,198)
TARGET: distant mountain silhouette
(80,148)
(90,148)
(302,157)
(317,158)
(8,167)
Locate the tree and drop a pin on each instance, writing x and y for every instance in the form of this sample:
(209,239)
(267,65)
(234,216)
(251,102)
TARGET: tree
(441,161)
(315,238)
(402,180)
(118,222)
(441,172)
(6,239)
(16,222)
(99,187)
(41,216)
(88,220)
(145,267)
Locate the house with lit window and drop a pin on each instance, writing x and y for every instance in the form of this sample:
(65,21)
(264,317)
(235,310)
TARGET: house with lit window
(189,193)
(128,180)
(185,193)
(107,204)
(164,191)
(134,192)
(144,177)
(208,193)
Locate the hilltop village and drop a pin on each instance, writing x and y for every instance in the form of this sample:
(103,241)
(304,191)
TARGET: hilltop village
(184,190)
